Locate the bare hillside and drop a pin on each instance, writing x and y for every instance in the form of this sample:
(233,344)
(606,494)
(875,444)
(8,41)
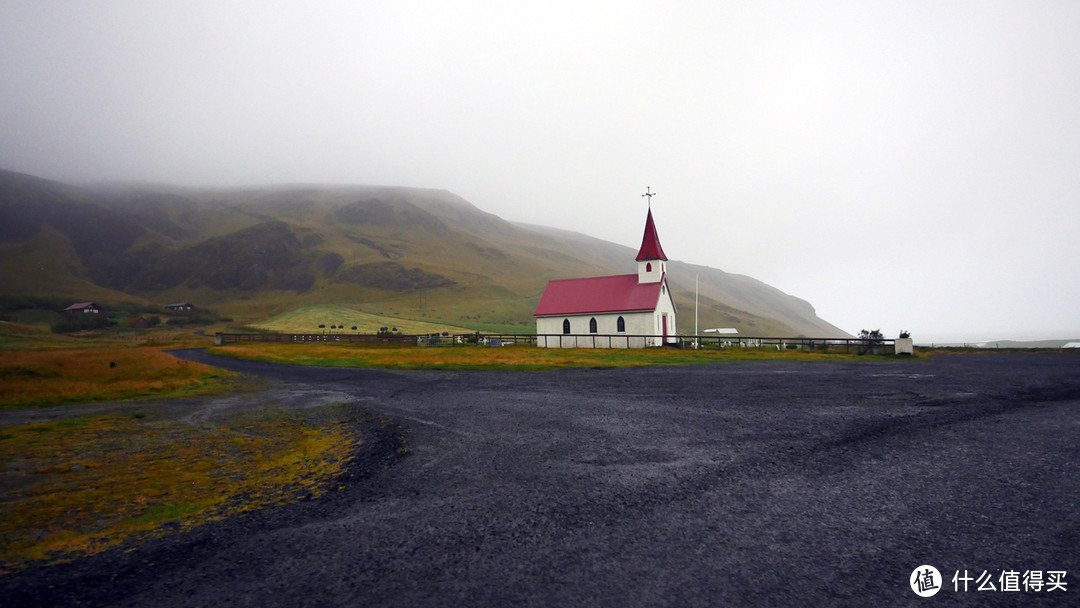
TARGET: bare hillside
(253,252)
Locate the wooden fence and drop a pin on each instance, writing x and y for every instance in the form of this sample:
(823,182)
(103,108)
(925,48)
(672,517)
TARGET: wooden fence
(881,346)
(847,345)
(234,338)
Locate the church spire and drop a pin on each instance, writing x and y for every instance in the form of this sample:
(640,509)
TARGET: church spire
(650,243)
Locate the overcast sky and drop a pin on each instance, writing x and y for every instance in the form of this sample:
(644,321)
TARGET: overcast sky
(900,165)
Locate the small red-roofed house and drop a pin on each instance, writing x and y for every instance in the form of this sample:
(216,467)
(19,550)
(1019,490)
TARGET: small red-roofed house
(620,311)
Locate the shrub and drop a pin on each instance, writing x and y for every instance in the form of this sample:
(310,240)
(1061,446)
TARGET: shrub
(874,337)
(72,323)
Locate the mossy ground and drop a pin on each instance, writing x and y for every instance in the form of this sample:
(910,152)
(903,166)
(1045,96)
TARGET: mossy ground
(77,486)
(45,376)
(81,480)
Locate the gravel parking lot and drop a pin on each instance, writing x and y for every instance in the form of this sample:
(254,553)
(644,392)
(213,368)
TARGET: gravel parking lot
(751,483)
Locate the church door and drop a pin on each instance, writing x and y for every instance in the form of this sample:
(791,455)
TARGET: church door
(663,320)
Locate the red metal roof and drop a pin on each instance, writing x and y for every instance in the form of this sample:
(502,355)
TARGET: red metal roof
(80,306)
(619,293)
(650,242)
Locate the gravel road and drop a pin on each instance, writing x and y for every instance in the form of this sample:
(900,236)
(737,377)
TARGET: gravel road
(749,483)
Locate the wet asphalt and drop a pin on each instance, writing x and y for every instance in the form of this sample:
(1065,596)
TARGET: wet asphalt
(737,484)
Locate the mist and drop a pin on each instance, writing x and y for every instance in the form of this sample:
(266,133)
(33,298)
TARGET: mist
(900,165)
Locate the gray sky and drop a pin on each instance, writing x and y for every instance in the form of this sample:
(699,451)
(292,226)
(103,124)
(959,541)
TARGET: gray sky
(901,165)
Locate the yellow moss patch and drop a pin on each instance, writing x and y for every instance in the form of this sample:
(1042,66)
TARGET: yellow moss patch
(509,358)
(57,376)
(79,486)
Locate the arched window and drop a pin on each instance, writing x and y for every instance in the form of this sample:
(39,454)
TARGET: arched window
(566,326)
(648,266)
(620,325)
(592,325)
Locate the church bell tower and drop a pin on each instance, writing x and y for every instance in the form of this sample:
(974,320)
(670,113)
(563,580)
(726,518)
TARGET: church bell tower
(652,263)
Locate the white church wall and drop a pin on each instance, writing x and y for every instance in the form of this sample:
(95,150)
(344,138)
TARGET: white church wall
(643,324)
(665,306)
(549,325)
(637,325)
(651,271)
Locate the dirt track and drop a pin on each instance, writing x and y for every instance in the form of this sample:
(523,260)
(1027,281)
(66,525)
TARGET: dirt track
(758,483)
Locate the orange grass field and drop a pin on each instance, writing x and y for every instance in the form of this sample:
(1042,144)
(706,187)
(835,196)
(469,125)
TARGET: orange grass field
(59,376)
(82,485)
(524,358)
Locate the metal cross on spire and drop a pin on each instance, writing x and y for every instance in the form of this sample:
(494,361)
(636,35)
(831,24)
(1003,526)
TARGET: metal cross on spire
(649,195)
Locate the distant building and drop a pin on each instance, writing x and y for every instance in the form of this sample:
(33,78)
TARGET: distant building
(621,311)
(180,307)
(87,308)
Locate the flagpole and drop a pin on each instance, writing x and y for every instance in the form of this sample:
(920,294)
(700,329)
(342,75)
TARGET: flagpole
(695,310)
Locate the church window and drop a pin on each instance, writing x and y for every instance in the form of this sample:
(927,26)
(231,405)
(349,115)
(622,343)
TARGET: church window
(648,266)
(566,326)
(592,325)
(620,324)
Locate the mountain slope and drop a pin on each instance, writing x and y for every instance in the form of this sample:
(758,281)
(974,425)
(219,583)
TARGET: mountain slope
(255,252)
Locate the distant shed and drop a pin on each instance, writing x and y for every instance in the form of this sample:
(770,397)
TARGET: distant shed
(83,308)
(180,306)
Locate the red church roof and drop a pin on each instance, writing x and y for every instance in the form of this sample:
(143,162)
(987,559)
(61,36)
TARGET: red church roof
(619,293)
(650,243)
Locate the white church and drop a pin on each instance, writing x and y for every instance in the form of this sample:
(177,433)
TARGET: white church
(621,311)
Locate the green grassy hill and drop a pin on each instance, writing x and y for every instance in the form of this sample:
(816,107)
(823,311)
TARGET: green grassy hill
(319,318)
(254,254)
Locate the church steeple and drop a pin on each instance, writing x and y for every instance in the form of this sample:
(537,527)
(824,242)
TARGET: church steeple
(650,242)
(650,258)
